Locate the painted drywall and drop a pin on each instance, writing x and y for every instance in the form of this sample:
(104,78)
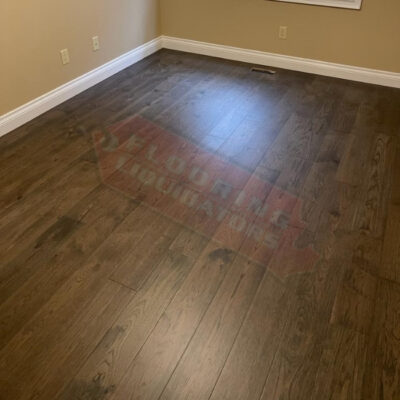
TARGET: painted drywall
(33,32)
(367,38)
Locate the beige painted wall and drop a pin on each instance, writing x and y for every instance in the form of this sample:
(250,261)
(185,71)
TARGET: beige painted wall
(367,38)
(33,32)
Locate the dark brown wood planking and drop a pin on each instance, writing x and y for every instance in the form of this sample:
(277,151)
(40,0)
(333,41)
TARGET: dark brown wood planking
(103,297)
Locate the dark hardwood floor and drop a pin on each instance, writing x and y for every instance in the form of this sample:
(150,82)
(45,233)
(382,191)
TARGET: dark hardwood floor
(190,229)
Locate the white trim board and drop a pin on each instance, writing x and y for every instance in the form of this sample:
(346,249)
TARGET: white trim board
(359,74)
(352,4)
(40,105)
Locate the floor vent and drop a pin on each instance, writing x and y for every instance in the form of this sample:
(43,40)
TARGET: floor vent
(263,70)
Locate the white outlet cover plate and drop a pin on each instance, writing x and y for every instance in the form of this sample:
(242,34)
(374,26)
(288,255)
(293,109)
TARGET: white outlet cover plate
(65,56)
(96,43)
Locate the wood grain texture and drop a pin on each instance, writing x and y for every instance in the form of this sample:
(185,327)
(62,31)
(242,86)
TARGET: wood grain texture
(109,294)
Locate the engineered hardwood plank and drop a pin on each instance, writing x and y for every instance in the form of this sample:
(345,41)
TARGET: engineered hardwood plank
(118,107)
(355,299)
(247,144)
(390,262)
(37,134)
(320,186)
(354,162)
(271,166)
(31,216)
(320,201)
(223,130)
(372,214)
(114,102)
(149,250)
(76,343)
(204,358)
(186,117)
(248,363)
(326,205)
(98,215)
(300,137)
(280,223)
(46,132)
(316,97)
(111,102)
(70,300)
(54,356)
(395,181)
(367,253)
(13,273)
(382,378)
(291,373)
(293,176)
(151,368)
(342,366)
(378,112)
(346,113)
(113,110)
(115,352)
(25,180)
(293,370)
(95,96)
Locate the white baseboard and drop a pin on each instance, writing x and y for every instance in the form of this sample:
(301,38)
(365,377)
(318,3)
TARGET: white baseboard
(359,74)
(40,105)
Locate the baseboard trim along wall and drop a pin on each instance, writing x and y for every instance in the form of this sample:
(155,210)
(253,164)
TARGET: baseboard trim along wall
(34,108)
(40,105)
(348,72)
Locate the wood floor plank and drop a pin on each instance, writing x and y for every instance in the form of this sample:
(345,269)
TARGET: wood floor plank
(202,362)
(149,251)
(390,262)
(395,182)
(19,184)
(342,366)
(65,306)
(247,144)
(300,137)
(355,299)
(37,135)
(111,103)
(78,341)
(382,379)
(31,216)
(98,215)
(244,373)
(137,97)
(208,99)
(13,273)
(223,130)
(352,167)
(110,360)
(32,346)
(152,367)
(294,367)
(372,214)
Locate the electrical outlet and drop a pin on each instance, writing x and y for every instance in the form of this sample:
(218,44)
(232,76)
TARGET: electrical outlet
(283,32)
(65,56)
(96,43)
